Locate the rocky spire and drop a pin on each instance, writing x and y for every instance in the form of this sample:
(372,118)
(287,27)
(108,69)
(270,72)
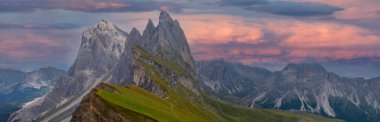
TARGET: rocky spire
(165,20)
(105,25)
(172,43)
(150,28)
(134,33)
(167,41)
(149,38)
(123,70)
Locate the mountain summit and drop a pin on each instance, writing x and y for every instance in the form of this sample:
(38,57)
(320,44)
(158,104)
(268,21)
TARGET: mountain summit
(171,41)
(100,50)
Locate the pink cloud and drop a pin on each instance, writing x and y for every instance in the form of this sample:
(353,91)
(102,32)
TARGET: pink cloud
(16,46)
(355,9)
(219,29)
(324,35)
(86,5)
(290,40)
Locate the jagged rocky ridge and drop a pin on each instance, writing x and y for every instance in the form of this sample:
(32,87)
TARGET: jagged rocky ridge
(159,62)
(18,88)
(105,55)
(305,87)
(99,52)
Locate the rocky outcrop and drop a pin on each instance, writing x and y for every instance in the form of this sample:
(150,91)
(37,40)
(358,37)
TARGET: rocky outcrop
(305,87)
(172,42)
(100,50)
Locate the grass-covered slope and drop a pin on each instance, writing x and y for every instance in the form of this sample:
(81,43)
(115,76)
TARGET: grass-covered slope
(170,109)
(109,102)
(134,99)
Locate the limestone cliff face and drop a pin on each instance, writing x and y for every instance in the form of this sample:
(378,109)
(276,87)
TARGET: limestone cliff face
(149,71)
(99,51)
(123,71)
(166,46)
(172,42)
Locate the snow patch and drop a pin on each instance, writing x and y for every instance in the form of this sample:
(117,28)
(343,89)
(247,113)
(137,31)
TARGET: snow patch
(214,85)
(279,100)
(323,100)
(35,102)
(302,99)
(371,100)
(353,98)
(258,98)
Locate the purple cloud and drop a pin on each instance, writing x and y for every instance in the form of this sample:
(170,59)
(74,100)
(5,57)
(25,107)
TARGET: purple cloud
(38,26)
(95,6)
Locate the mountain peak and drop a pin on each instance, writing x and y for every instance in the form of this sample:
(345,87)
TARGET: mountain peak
(165,18)
(101,47)
(105,21)
(304,67)
(105,25)
(134,31)
(150,26)
(150,23)
(164,15)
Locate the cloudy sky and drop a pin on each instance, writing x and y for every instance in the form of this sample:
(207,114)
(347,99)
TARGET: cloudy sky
(341,34)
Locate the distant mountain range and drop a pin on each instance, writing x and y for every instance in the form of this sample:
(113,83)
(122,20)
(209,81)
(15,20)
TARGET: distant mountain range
(304,87)
(120,76)
(18,88)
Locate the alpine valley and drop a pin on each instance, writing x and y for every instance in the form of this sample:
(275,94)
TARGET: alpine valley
(17,88)
(123,76)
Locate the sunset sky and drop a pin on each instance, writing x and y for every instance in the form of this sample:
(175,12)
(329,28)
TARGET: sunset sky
(341,34)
